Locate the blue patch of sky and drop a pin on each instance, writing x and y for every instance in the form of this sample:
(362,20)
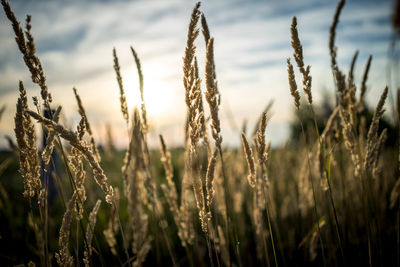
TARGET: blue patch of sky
(243,78)
(260,64)
(66,41)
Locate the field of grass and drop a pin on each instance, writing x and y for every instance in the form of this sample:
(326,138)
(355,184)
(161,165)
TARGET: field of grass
(329,198)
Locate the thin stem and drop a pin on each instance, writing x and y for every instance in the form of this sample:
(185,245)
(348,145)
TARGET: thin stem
(314,198)
(269,220)
(227,207)
(209,250)
(122,231)
(338,232)
(171,253)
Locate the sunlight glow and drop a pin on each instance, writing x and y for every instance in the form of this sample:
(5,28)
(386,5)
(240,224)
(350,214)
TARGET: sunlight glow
(158,96)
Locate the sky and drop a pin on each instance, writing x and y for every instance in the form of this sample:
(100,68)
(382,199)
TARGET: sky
(74,41)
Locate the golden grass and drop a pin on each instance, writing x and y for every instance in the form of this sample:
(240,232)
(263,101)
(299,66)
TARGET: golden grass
(331,201)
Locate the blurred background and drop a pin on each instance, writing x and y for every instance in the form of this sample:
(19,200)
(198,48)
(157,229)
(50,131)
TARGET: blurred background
(75,39)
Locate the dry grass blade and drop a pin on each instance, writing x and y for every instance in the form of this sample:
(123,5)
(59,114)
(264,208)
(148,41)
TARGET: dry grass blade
(139,192)
(211,94)
(190,50)
(82,112)
(205,29)
(51,137)
(4,164)
(298,56)
(329,124)
(142,105)
(261,144)
(26,140)
(89,233)
(169,189)
(122,96)
(2,109)
(352,66)
(298,50)
(250,161)
(372,136)
(210,178)
(341,87)
(350,141)
(332,33)
(364,81)
(63,257)
(190,81)
(207,36)
(73,139)
(28,50)
(266,110)
(112,229)
(292,83)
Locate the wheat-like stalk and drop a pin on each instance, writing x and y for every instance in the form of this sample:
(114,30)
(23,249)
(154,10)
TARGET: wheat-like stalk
(298,56)
(63,256)
(74,141)
(75,164)
(28,50)
(89,233)
(28,152)
(363,87)
(2,109)
(210,178)
(50,140)
(171,195)
(250,161)
(122,96)
(82,112)
(292,84)
(142,105)
(206,33)
(332,33)
(352,65)
(169,189)
(211,94)
(372,136)
(138,192)
(194,116)
(112,229)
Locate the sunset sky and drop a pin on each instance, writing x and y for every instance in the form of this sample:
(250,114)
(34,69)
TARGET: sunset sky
(252,41)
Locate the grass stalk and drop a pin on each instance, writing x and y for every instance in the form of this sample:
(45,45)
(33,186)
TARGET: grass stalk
(314,198)
(327,176)
(267,199)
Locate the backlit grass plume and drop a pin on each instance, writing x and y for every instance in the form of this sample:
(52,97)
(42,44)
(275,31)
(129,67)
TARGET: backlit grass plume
(332,33)
(298,56)
(140,75)
(122,96)
(292,85)
(27,47)
(28,152)
(82,112)
(74,141)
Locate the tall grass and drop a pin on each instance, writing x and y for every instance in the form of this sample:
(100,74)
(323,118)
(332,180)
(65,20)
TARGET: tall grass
(331,201)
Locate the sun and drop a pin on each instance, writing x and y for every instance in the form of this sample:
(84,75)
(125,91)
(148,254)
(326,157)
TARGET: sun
(158,96)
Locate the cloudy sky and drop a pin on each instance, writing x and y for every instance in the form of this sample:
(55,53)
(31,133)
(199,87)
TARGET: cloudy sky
(74,41)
